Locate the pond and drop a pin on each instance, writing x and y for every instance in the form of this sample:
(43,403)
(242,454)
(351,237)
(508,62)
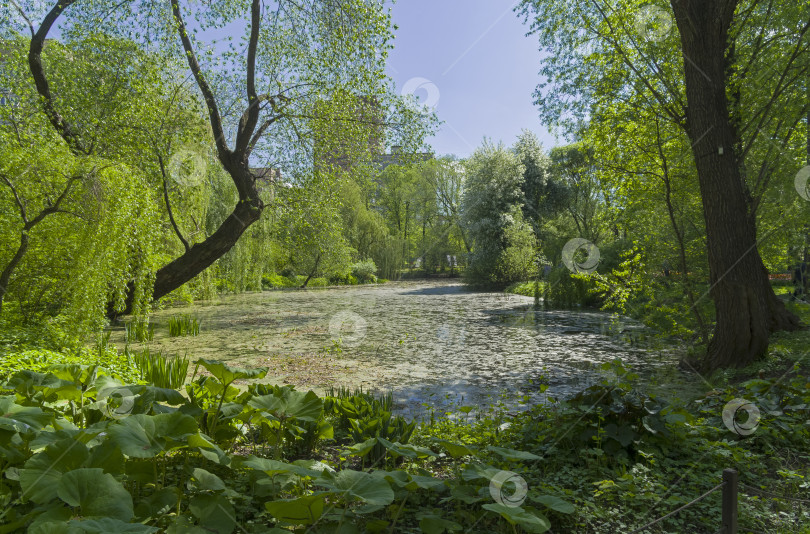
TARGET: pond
(429,342)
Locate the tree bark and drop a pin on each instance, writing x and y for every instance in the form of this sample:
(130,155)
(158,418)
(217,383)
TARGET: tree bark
(747,310)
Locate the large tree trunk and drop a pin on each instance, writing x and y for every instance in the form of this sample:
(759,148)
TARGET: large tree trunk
(201,255)
(747,310)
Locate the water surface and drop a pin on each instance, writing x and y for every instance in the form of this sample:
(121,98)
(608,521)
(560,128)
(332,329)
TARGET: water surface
(428,342)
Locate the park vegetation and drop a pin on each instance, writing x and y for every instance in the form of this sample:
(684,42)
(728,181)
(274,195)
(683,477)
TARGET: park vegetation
(145,163)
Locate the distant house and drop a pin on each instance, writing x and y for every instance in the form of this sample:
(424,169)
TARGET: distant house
(267,178)
(395,157)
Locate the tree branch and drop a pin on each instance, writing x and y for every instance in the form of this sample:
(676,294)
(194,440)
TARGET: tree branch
(63,127)
(214,116)
(169,204)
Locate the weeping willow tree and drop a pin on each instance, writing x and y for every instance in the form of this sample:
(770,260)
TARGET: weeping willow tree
(79,229)
(257,99)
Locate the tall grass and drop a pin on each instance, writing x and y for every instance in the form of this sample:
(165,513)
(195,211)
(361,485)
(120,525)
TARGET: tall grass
(184,325)
(139,330)
(161,371)
(383,402)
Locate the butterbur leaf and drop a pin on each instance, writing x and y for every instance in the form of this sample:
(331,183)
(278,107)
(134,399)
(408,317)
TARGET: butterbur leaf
(77,373)
(215,513)
(40,478)
(227,374)
(512,454)
(144,436)
(106,525)
(300,511)
(361,449)
(21,418)
(531,522)
(209,449)
(456,450)
(207,480)
(409,451)
(156,504)
(358,485)
(96,493)
(290,403)
(433,524)
(553,502)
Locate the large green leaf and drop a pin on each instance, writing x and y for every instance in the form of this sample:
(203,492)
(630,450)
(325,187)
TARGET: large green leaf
(358,485)
(40,477)
(227,374)
(209,449)
(409,451)
(275,467)
(434,524)
(554,503)
(531,522)
(512,454)
(456,450)
(361,449)
(104,525)
(206,480)
(145,436)
(290,403)
(157,504)
(82,375)
(21,418)
(96,493)
(214,512)
(301,511)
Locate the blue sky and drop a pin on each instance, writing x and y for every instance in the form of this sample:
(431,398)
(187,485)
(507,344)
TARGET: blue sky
(482,67)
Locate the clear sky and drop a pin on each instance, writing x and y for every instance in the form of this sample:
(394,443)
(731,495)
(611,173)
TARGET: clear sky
(471,59)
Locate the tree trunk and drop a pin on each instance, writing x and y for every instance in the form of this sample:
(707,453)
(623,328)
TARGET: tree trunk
(747,310)
(201,255)
(5,276)
(312,272)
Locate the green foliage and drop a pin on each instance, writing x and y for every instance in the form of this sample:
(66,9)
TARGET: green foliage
(503,244)
(139,330)
(364,271)
(89,452)
(183,325)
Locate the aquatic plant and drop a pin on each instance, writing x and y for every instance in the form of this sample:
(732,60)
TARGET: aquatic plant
(184,325)
(139,329)
(160,370)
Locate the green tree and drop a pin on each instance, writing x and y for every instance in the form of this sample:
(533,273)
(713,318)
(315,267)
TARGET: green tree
(299,56)
(493,218)
(729,87)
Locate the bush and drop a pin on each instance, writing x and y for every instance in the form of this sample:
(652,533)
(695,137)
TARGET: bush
(565,291)
(111,363)
(364,271)
(276,281)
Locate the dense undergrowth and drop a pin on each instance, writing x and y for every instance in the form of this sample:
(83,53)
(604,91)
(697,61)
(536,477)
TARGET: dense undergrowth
(87,445)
